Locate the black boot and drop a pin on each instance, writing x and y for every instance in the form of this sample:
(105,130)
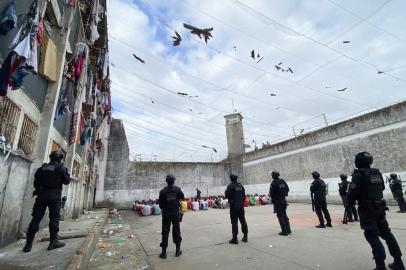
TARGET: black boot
(288,230)
(397,265)
(163,254)
(178,251)
(234,240)
(329,224)
(55,244)
(28,244)
(283,233)
(245,238)
(320,226)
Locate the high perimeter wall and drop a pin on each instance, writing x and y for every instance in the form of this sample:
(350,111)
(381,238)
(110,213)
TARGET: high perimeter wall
(127,181)
(331,151)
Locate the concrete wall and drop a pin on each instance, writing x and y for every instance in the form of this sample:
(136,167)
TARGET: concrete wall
(331,150)
(127,181)
(13,179)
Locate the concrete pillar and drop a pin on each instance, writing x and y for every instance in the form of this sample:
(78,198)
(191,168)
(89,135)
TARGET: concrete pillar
(235,136)
(43,142)
(103,166)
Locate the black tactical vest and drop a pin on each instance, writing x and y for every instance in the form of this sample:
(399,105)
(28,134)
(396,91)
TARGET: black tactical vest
(372,184)
(283,188)
(49,177)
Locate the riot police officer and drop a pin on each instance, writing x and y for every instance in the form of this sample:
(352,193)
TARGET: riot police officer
(235,193)
(169,202)
(48,182)
(278,191)
(343,189)
(318,190)
(367,188)
(397,192)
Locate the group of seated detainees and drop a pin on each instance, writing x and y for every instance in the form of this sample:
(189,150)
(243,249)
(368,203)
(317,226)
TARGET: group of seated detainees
(148,208)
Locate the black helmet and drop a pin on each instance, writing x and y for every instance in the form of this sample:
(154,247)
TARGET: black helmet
(170,179)
(343,176)
(393,176)
(56,156)
(363,160)
(275,174)
(233,177)
(315,174)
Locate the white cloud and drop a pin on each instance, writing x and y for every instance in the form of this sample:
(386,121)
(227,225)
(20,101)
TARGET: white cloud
(159,122)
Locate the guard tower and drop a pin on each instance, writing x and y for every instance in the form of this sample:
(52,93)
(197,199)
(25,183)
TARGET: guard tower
(235,136)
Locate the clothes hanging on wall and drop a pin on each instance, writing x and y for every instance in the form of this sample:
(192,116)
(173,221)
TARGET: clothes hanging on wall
(8,20)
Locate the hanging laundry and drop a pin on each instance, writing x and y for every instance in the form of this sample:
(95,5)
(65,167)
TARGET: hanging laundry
(40,31)
(48,60)
(97,13)
(71,2)
(8,20)
(73,129)
(105,64)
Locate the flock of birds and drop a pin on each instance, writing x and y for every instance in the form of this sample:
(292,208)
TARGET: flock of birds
(206,34)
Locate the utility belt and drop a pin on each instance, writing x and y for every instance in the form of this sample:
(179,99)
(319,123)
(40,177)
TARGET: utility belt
(43,190)
(372,202)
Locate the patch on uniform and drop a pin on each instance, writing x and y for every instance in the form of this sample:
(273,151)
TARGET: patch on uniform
(238,188)
(282,185)
(171,196)
(375,178)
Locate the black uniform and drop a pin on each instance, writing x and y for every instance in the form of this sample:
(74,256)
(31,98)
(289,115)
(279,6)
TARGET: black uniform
(169,202)
(48,182)
(396,188)
(198,193)
(278,191)
(351,210)
(367,188)
(235,193)
(319,189)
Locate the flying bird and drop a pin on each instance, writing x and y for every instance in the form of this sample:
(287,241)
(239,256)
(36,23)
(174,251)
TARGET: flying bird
(380,72)
(327,87)
(253,54)
(342,90)
(277,68)
(301,131)
(260,60)
(113,65)
(176,39)
(290,70)
(346,41)
(273,95)
(190,110)
(139,59)
(152,101)
(235,48)
(214,149)
(279,64)
(182,94)
(206,32)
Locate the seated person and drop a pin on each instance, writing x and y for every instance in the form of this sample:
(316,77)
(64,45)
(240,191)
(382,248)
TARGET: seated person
(205,205)
(256,198)
(156,209)
(217,203)
(147,210)
(263,200)
(195,205)
(252,201)
(189,203)
(183,206)
(246,201)
(210,202)
(224,203)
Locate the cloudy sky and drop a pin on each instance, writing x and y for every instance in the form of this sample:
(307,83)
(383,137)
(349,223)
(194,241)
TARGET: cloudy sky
(222,78)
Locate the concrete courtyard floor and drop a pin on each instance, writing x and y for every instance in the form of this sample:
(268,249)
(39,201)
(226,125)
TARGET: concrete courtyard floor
(206,234)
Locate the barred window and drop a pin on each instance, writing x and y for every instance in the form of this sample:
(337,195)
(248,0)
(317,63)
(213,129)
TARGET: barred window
(27,136)
(9,117)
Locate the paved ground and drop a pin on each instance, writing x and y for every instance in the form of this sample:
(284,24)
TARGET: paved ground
(206,234)
(117,247)
(12,257)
